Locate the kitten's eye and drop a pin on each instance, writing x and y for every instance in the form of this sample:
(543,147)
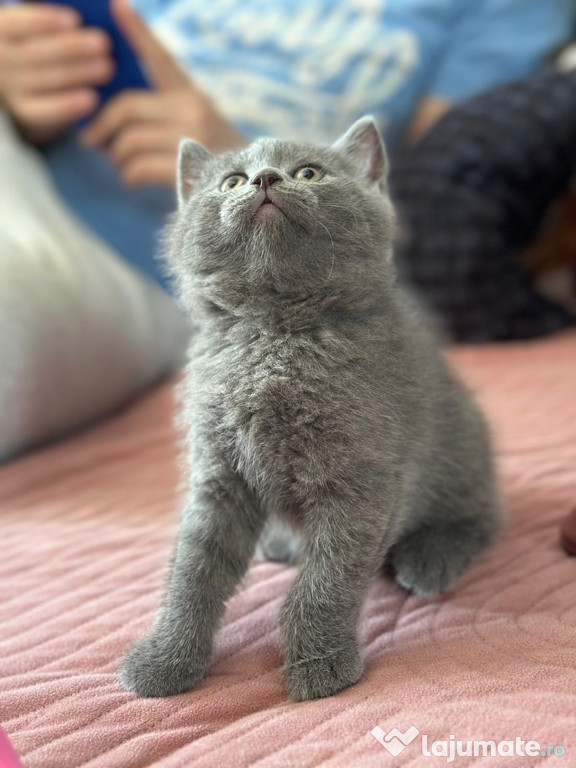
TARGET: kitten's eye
(308,174)
(233,182)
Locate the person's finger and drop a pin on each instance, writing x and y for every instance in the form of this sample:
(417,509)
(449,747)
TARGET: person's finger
(143,139)
(58,108)
(63,48)
(162,69)
(63,77)
(158,169)
(28,20)
(126,108)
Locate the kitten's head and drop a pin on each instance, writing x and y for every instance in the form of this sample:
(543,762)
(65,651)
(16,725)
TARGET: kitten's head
(281,231)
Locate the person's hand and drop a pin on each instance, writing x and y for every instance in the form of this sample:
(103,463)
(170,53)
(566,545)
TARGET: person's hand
(49,67)
(141,129)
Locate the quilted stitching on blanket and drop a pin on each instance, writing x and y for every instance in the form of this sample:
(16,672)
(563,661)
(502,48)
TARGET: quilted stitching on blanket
(85,534)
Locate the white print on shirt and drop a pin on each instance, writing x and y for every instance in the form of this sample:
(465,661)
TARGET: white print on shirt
(336,61)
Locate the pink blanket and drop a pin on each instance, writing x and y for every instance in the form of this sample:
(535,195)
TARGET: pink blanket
(85,534)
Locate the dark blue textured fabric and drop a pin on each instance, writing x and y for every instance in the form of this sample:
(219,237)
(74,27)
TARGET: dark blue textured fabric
(472,193)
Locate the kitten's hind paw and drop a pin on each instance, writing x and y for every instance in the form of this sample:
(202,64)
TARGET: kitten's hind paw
(151,670)
(279,544)
(430,560)
(324,676)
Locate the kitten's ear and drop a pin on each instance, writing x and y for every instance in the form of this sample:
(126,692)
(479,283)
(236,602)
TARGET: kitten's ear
(192,157)
(363,144)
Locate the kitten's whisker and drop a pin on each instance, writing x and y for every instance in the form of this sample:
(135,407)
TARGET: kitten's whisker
(348,231)
(333,252)
(343,208)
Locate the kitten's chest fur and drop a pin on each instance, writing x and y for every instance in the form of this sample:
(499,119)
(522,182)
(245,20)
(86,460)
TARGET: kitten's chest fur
(278,401)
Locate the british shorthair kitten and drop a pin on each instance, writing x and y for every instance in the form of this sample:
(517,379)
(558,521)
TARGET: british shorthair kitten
(323,425)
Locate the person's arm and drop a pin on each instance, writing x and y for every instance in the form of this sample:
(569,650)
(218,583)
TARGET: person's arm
(491,42)
(141,130)
(49,68)
(427,113)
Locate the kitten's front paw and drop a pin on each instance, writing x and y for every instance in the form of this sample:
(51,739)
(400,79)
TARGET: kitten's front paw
(151,670)
(324,676)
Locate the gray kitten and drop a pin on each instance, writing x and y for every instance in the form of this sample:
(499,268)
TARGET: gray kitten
(322,422)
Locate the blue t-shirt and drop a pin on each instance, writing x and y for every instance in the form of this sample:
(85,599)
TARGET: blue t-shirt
(305,70)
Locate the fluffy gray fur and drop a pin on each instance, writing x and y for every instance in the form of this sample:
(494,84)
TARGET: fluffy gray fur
(323,424)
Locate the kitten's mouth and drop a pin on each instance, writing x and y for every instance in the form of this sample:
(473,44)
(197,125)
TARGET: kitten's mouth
(266,203)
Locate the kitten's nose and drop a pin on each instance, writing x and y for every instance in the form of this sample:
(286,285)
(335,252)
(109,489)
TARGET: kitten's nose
(265,178)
